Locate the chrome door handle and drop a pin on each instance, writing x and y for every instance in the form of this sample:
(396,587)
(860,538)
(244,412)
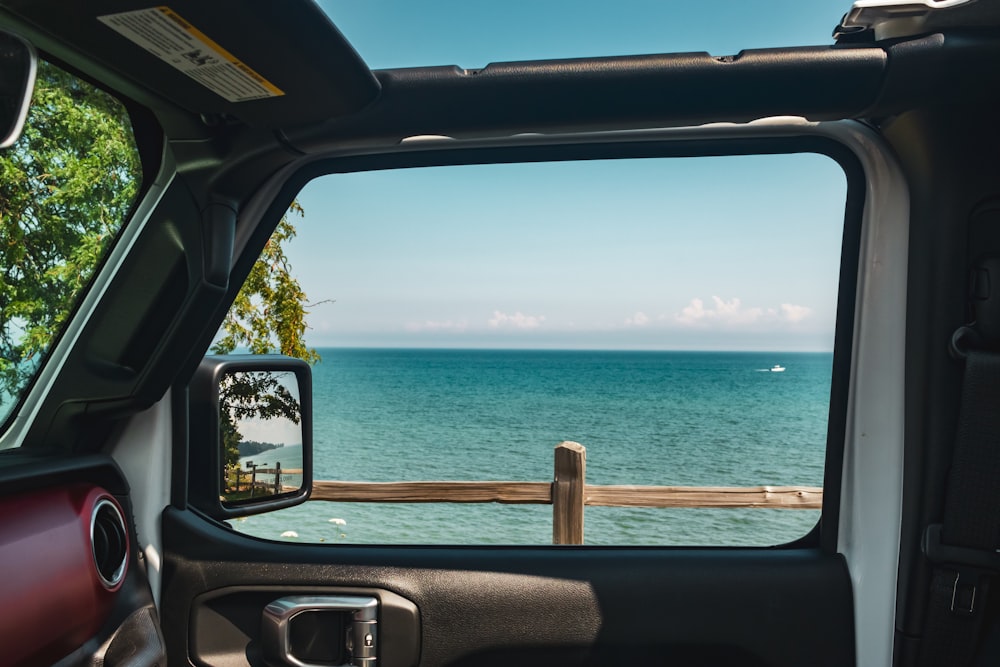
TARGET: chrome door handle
(360,639)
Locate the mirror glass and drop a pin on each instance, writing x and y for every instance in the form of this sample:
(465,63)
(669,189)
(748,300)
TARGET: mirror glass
(260,434)
(17,79)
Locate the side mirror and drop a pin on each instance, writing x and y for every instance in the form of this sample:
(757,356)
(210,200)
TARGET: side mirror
(18,64)
(250,441)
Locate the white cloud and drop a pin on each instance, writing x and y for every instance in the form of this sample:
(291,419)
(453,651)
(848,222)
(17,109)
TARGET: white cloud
(516,321)
(722,312)
(793,313)
(640,319)
(430,325)
(732,313)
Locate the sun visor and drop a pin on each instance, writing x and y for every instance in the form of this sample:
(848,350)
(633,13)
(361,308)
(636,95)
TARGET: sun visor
(267,63)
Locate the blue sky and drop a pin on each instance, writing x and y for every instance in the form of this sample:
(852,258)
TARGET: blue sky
(706,253)
(474,33)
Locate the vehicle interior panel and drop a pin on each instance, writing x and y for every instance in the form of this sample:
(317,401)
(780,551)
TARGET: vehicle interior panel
(575,606)
(218,175)
(945,243)
(309,49)
(72,529)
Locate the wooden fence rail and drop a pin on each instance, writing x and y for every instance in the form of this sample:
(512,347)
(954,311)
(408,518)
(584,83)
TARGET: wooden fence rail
(569,493)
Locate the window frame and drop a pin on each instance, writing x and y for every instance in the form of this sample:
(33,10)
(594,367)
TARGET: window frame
(150,147)
(735,140)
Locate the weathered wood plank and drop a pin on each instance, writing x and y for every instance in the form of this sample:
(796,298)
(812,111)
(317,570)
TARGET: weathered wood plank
(511,493)
(779,497)
(568,490)
(788,497)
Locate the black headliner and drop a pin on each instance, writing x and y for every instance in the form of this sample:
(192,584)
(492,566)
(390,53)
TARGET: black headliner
(331,97)
(292,44)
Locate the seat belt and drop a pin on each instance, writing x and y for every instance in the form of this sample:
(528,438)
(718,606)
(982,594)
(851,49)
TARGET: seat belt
(963,547)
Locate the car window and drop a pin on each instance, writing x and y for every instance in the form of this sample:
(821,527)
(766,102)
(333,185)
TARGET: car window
(66,187)
(673,318)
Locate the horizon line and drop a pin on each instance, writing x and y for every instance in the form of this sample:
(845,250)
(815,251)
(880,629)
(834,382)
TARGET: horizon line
(570,349)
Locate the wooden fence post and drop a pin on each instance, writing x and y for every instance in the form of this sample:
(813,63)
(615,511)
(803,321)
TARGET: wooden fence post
(568,493)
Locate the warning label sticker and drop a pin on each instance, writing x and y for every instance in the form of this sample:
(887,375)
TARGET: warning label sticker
(170,38)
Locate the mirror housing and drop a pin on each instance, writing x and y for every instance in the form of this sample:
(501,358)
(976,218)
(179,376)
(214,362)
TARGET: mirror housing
(18,65)
(250,436)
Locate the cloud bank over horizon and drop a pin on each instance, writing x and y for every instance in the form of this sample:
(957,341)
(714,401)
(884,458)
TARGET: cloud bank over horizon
(732,313)
(518,321)
(721,323)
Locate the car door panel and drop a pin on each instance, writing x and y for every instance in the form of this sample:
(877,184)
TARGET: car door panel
(527,606)
(47,535)
(74,590)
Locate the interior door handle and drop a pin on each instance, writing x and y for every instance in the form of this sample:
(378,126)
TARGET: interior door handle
(320,630)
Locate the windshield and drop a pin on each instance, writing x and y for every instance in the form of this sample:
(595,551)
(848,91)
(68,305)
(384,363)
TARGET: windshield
(472,35)
(66,187)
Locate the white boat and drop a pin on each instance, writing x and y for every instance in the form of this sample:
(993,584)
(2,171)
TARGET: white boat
(777,369)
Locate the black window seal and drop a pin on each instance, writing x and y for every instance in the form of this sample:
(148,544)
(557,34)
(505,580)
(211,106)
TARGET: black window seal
(824,534)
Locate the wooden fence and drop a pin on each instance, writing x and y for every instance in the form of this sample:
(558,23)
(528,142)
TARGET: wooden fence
(247,479)
(569,493)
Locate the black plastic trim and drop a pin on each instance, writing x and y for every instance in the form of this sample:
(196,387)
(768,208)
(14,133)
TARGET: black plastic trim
(294,46)
(204,461)
(587,94)
(23,470)
(543,606)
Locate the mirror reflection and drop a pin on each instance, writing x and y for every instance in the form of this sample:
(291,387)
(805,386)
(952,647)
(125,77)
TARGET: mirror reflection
(260,433)
(17,77)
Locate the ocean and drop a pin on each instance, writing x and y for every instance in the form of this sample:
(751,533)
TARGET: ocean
(645,418)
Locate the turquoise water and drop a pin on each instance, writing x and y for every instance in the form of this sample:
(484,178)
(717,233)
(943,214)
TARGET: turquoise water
(656,418)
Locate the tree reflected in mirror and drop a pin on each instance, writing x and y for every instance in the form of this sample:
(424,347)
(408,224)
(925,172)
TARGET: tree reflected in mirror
(260,435)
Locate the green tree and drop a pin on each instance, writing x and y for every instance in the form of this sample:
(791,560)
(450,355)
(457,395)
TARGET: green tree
(268,316)
(252,395)
(66,187)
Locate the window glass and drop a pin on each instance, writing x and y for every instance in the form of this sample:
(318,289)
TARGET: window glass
(674,317)
(66,187)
